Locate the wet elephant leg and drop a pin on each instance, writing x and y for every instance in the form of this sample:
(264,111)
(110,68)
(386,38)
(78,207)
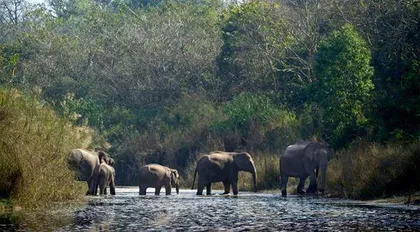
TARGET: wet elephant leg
(234,181)
(235,187)
(312,184)
(88,191)
(200,187)
(226,184)
(208,189)
(142,190)
(284,180)
(168,189)
(157,190)
(301,185)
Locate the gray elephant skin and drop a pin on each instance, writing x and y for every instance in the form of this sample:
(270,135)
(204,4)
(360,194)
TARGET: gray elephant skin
(302,160)
(223,167)
(157,176)
(106,177)
(86,164)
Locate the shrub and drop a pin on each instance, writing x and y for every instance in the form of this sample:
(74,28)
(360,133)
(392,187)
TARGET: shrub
(256,123)
(268,173)
(34,143)
(370,170)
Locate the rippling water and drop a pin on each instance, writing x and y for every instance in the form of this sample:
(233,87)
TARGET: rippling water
(127,211)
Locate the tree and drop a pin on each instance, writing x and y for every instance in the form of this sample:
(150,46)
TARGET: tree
(254,39)
(343,85)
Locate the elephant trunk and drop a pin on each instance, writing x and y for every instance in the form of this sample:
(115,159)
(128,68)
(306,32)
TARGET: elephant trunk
(195,173)
(323,180)
(112,186)
(177,188)
(254,179)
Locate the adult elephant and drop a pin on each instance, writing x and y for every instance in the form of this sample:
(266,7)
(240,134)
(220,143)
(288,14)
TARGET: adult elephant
(106,177)
(223,166)
(156,175)
(86,164)
(302,160)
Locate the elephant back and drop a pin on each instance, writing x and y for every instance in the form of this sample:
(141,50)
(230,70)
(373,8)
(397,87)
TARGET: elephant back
(151,174)
(106,171)
(83,162)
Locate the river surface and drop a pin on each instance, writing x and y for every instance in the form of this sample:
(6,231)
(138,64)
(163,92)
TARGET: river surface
(127,211)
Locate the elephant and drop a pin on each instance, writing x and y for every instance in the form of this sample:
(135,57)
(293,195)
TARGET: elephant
(106,177)
(302,160)
(86,164)
(223,166)
(156,175)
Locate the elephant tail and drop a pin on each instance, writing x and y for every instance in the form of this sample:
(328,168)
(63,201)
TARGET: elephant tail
(195,173)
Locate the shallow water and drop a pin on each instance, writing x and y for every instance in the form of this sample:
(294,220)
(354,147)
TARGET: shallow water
(127,211)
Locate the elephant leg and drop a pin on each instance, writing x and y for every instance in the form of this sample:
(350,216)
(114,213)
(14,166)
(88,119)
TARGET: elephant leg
(208,189)
(200,188)
(233,179)
(226,184)
(235,187)
(142,190)
(93,185)
(301,185)
(312,185)
(102,185)
(88,191)
(284,180)
(168,189)
(101,189)
(112,187)
(157,190)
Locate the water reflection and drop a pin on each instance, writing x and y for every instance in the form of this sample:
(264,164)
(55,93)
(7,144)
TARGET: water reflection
(127,211)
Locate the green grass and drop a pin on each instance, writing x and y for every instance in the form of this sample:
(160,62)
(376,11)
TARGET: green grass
(34,143)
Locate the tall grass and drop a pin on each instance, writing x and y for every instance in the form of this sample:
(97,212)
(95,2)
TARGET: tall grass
(368,171)
(268,173)
(34,143)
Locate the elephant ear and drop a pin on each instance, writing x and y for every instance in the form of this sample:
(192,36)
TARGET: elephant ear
(314,149)
(102,157)
(174,174)
(310,151)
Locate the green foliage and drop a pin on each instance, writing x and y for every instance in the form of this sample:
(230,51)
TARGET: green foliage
(9,60)
(167,81)
(343,86)
(249,119)
(34,144)
(254,38)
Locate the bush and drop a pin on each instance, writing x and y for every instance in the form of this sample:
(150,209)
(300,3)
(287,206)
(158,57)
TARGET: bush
(370,170)
(34,144)
(268,173)
(255,123)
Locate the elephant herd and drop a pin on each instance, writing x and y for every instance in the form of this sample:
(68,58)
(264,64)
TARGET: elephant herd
(300,160)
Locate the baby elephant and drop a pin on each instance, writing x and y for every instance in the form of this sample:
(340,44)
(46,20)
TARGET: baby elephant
(155,175)
(106,178)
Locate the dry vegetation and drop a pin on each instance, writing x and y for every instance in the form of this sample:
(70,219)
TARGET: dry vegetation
(368,170)
(34,143)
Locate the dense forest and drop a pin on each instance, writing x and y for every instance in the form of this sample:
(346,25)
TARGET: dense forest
(167,81)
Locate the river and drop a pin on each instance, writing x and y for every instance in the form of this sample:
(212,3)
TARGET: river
(127,211)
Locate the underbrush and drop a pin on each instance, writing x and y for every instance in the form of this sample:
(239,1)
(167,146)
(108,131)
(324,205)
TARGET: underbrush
(367,171)
(34,143)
